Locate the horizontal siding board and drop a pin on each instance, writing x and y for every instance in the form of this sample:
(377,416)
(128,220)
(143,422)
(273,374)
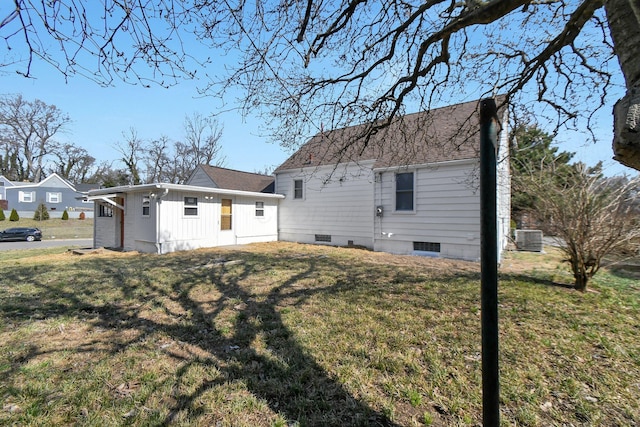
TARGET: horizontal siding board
(330,206)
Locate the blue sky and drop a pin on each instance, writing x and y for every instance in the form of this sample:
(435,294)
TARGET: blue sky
(101,114)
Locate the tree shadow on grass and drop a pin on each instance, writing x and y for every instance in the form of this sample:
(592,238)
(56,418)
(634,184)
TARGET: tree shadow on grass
(256,349)
(521,277)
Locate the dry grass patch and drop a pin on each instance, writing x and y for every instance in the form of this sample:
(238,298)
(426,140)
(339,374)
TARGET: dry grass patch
(284,334)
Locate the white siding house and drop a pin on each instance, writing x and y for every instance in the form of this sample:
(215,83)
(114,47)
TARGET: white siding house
(411,188)
(162,218)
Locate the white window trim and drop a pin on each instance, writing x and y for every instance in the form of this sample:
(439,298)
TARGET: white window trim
(50,198)
(22,194)
(303,189)
(395,193)
(259,209)
(185,206)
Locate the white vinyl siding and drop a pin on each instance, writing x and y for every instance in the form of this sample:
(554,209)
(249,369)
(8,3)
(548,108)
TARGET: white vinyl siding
(166,230)
(338,201)
(447,211)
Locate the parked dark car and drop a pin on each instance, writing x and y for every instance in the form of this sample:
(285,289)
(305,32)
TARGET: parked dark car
(21,233)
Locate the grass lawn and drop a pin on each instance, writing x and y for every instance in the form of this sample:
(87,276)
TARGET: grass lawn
(284,334)
(55,228)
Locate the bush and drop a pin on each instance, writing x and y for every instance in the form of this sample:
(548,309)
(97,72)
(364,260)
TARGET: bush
(14,215)
(41,214)
(82,216)
(65,215)
(2,217)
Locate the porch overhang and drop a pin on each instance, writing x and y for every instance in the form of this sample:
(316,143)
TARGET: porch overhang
(107,198)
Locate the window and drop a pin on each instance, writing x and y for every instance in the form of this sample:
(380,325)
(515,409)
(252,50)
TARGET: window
(323,238)
(297,189)
(259,208)
(27,196)
(105,211)
(146,203)
(225,215)
(404,191)
(426,246)
(54,197)
(191,206)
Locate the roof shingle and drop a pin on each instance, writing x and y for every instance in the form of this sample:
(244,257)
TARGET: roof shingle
(237,180)
(438,135)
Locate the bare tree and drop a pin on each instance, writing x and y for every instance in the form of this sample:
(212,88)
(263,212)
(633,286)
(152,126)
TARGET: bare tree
(593,216)
(72,162)
(160,161)
(331,64)
(201,142)
(174,161)
(27,130)
(132,150)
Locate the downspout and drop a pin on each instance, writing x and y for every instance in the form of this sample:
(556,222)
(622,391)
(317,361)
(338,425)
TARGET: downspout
(159,198)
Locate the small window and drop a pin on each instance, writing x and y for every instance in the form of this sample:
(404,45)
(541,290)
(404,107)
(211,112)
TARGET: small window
(259,208)
(146,203)
(297,189)
(105,211)
(54,197)
(225,214)
(426,246)
(404,191)
(323,238)
(191,206)
(26,196)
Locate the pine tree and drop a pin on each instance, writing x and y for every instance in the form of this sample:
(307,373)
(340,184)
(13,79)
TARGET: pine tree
(14,215)
(65,215)
(2,217)
(41,214)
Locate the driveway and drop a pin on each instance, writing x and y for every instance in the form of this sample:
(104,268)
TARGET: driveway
(81,243)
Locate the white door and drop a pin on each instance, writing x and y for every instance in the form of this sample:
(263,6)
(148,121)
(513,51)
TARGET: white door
(227,234)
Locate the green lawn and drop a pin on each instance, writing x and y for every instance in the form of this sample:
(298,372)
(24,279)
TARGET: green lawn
(284,334)
(55,228)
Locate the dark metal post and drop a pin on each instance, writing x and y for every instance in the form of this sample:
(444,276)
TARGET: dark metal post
(489,264)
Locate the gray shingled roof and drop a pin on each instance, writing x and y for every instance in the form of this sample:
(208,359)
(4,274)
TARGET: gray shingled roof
(438,135)
(237,180)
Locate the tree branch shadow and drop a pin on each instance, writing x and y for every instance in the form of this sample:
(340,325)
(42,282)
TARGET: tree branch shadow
(260,351)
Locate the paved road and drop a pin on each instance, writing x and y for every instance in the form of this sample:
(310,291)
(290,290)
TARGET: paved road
(81,243)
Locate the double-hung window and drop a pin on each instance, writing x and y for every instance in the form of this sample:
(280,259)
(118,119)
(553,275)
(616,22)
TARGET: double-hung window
(26,196)
(297,189)
(54,197)
(404,191)
(146,203)
(191,206)
(259,208)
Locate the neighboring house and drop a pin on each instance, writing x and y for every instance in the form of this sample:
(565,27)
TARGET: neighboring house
(163,218)
(412,188)
(217,177)
(56,193)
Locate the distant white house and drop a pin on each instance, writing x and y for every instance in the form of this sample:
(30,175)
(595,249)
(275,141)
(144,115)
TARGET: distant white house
(162,218)
(412,188)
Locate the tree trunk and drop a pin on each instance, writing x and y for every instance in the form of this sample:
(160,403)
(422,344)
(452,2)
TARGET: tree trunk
(581,281)
(624,23)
